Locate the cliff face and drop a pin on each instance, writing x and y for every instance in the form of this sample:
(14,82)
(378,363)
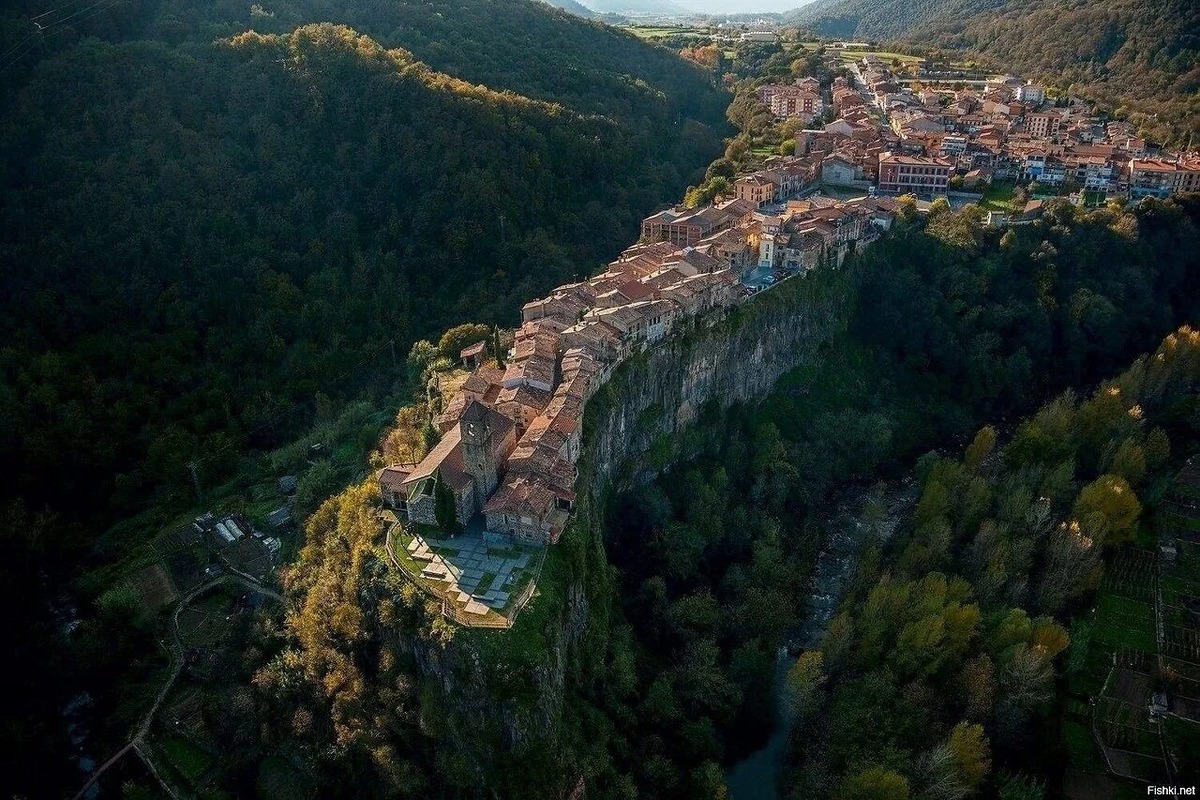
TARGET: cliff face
(635,429)
(506,706)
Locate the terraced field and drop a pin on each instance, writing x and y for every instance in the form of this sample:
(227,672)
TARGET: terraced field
(1133,705)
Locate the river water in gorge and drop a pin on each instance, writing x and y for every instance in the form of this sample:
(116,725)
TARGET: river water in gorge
(860,517)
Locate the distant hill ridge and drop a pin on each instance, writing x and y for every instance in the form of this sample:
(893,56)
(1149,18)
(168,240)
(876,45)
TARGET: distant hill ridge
(636,7)
(572,7)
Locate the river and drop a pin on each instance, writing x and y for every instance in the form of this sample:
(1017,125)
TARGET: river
(861,516)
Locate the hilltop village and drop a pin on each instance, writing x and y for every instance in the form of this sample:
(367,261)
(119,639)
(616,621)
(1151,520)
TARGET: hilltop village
(933,133)
(510,438)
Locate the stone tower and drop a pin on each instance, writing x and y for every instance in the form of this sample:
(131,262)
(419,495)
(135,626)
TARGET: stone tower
(479,449)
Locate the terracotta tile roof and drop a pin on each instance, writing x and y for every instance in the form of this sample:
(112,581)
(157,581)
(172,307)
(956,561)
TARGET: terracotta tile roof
(524,396)
(477,349)
(445,458)
(483,378)
(452,412)
(392,478)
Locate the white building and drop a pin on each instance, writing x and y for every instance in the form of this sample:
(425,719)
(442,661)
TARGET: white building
(1032,94)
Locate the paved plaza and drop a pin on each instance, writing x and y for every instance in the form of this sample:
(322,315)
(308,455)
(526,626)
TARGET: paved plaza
(483,570)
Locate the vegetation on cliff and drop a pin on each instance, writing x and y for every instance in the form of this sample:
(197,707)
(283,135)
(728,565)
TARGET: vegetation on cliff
(672,675)
(663,668)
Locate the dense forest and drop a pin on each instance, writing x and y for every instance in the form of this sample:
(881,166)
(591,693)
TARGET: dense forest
(857,19)
(953,325)
(1139,56)
(211,235)
(956,631)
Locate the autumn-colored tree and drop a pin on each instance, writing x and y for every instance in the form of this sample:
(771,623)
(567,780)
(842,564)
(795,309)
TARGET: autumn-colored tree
(978,678)
(1108,504)
(405,442)
(805,683)
(875,783)
(934,503)
(972,753)
(1048,638)
(980,448)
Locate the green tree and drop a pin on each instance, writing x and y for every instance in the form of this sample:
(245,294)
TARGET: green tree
(721,168)
(1109,505)
(874,783)
(496,351)
(444,507)
(1157,449)
(1016,786)
(419,357)
(805,684)
(460,337)
(1129,462)
(708,782)
(971,752)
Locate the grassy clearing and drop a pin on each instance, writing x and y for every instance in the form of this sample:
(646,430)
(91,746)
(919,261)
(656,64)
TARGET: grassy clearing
(400,541)
(652,32)
(886,55)
(1000,197)
(1121,623)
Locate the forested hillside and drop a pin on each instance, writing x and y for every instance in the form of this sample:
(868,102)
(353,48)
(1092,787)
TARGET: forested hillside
(1141,54)
(886,19)
(210,235)
(203,236)
(950,641)
(572,7)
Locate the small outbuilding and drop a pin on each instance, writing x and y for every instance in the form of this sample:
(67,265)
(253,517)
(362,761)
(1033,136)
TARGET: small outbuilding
(473,356)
